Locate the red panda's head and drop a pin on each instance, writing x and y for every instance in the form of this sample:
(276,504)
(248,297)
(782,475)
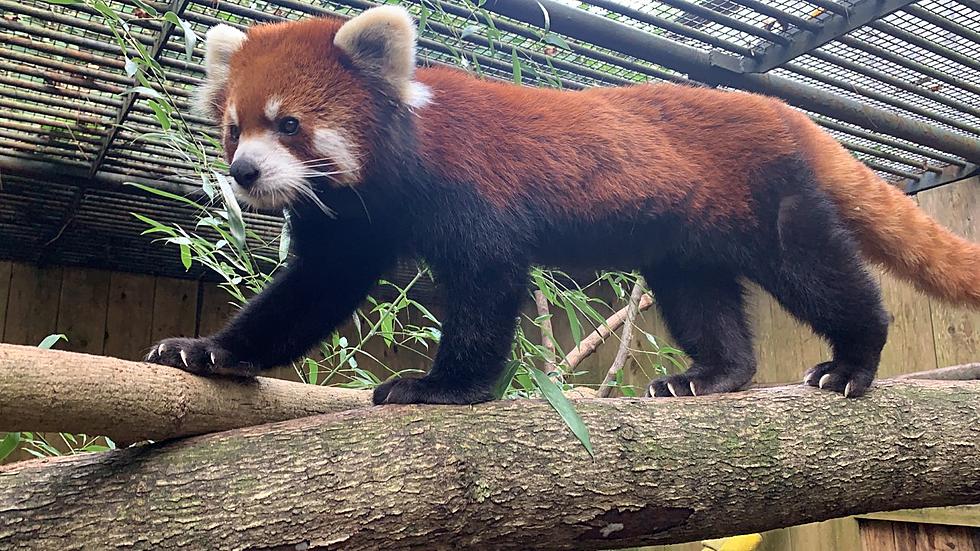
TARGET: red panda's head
(294,99)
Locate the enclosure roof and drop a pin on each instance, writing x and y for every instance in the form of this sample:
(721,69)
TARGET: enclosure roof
(897,82)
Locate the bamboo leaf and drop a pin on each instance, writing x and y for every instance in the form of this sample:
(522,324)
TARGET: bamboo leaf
(185,256)
(235,220)
(50,341)
(517,65)
(563,406)
(9,444)
(166,194)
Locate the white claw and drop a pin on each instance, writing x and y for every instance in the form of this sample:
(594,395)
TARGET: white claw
(161,349)
(808,380)
(214,361)
(670,387)
(151,355)
(847,390)
(693,392)
(823,380)
(183,356)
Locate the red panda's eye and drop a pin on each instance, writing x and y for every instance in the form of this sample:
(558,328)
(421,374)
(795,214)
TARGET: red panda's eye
(234,132)
(289,126)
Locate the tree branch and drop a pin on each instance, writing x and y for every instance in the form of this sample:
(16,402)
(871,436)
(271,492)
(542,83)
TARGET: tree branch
(632,309)
(591,343)
(55,391)
(504,476)
(965,372)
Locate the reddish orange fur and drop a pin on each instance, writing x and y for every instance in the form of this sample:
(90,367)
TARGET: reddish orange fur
(694,152)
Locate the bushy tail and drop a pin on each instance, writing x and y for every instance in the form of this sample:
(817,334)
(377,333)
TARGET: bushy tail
(890,227)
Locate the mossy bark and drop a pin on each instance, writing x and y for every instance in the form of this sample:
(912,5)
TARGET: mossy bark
(506,475)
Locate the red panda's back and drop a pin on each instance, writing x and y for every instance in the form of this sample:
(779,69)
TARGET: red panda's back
(603,149)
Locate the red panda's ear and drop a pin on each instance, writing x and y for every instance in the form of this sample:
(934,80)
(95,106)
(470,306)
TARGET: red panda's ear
(381,42)
(221,41)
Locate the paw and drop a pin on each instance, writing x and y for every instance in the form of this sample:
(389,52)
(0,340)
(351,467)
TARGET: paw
(428,391)
(695,383)
(199,356)
(850,380)
(676,385)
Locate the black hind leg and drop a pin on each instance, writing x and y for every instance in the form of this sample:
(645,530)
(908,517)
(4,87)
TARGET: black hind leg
(704,310)
(816,273)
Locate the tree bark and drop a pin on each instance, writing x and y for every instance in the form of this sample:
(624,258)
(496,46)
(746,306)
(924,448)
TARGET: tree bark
(55,391)
(505,475)
(965,372)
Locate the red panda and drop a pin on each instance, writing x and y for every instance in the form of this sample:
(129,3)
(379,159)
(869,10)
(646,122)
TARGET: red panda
(699,189)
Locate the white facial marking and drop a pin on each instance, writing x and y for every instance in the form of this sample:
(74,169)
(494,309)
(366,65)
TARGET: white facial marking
(341,158)
(419,95)
(281,175)
(272,108)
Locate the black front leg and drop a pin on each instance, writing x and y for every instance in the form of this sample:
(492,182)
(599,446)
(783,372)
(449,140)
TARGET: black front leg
(297,310)
(483,304)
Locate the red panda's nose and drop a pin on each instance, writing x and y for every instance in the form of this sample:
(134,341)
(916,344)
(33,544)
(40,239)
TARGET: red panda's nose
(244,172)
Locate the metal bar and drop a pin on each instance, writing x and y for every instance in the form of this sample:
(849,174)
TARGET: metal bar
(669,25)
(931,180)
(890,157)
(885,140)
(890,100)
(897,82)
(59,77)
(177,7)
(88,43)
(780,15)
(68,21)
(907,63)
(857,15)
(943,23)
(78,175)
(38,132)
(702,66)
(573,45)
(916,40)
(78,69)
(722,19)
(40,110)
(55,91)
(972,4)
(874,165)
(115,63)
(48,98)
(830,6)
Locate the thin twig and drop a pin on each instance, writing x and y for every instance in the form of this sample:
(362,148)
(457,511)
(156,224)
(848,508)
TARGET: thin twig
(632,309)
(547,330)
(589,344)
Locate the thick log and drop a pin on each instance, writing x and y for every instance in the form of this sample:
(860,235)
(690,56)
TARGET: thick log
(505,475)
(55,391)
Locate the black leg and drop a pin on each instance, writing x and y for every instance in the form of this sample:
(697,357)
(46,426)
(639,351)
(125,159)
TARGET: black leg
(817,274)
(703,308)
(297,310)
(483,304)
